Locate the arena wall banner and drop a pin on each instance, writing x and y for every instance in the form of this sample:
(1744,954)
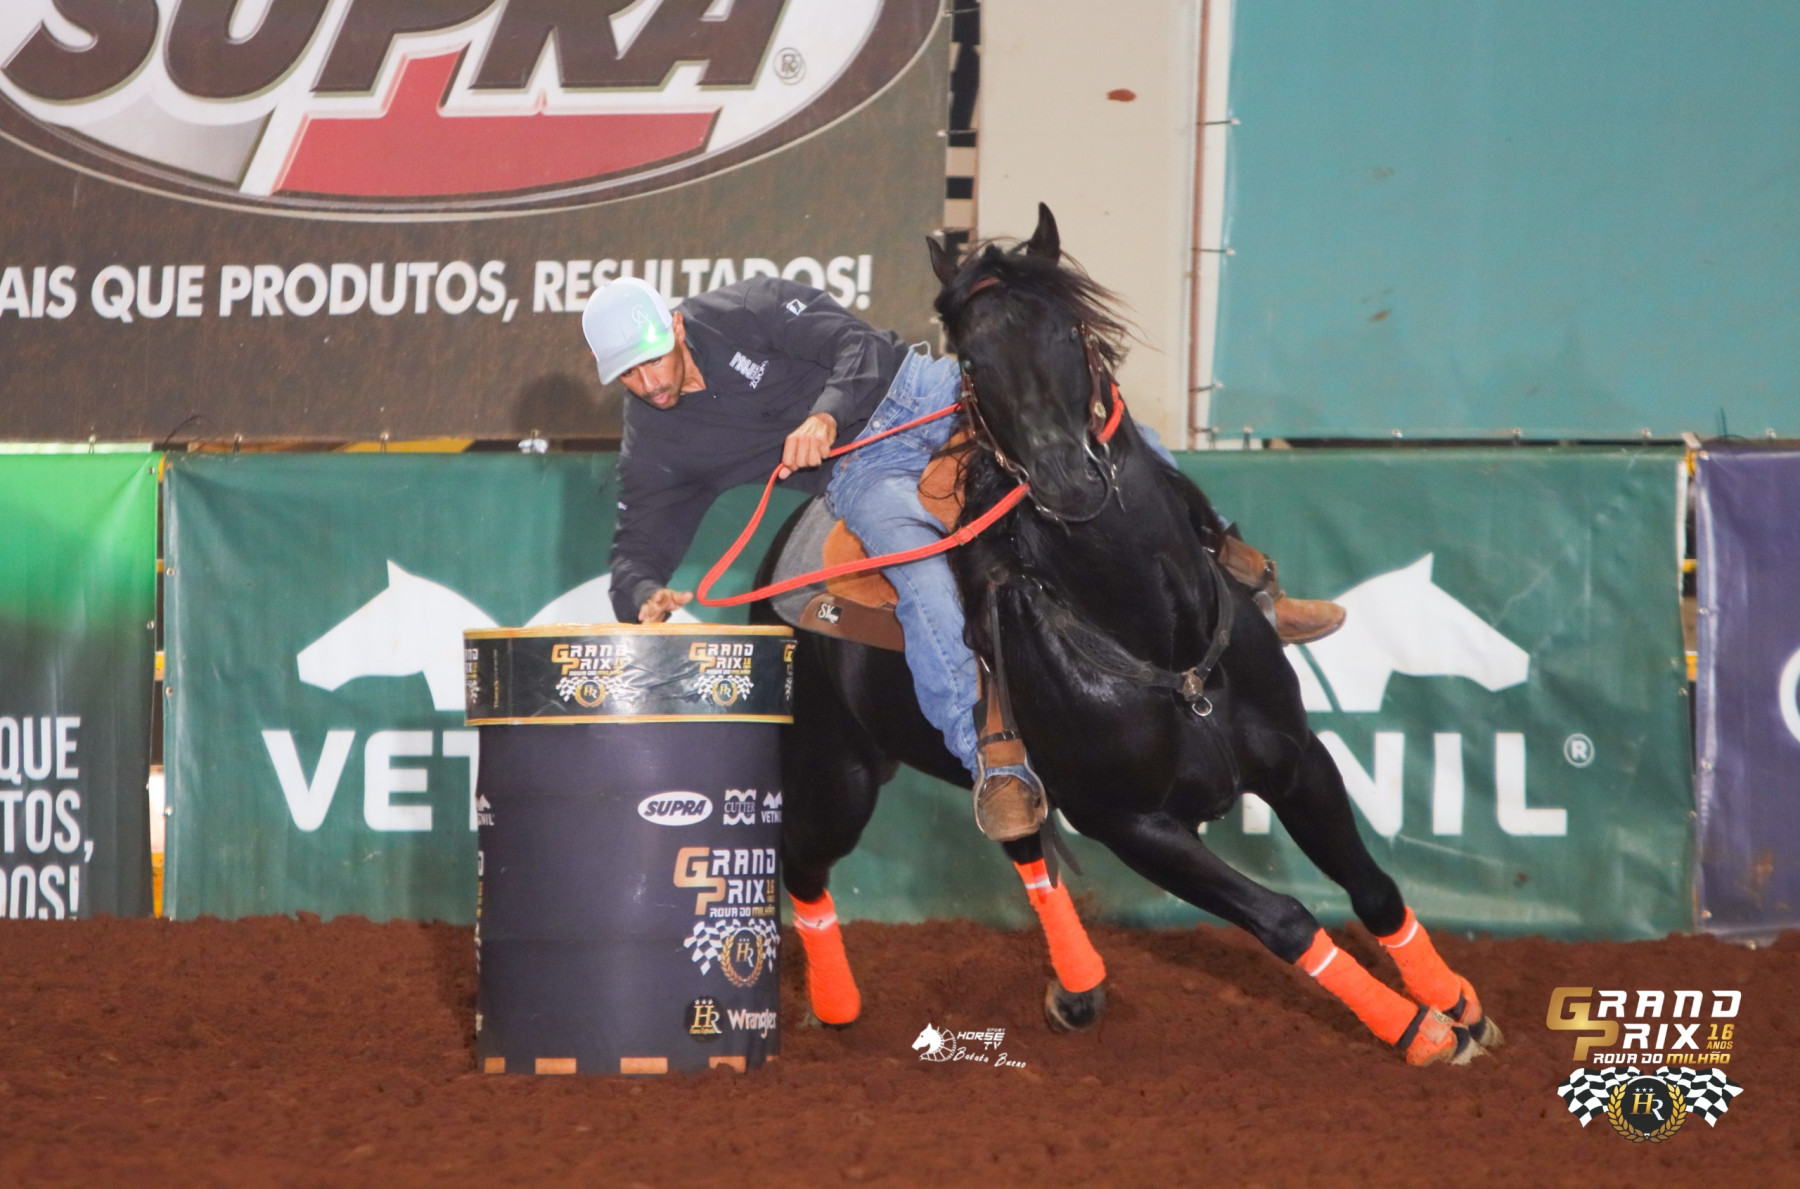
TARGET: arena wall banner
(1509,709)
(338,218)
(1748,714)
(315,752)
(77,597)
(1507,701)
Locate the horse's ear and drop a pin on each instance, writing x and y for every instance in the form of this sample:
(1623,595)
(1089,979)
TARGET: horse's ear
(1044,241)
(943,260)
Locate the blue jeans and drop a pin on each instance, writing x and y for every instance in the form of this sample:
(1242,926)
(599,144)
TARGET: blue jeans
(875,490)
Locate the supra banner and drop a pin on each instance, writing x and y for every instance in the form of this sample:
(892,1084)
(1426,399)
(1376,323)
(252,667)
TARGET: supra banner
(1505,702)
(1748,712)
(77,597)
(335,218)
(316,753)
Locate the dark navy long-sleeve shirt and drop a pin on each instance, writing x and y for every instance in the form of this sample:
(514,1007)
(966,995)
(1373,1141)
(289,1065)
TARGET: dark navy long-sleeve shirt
(772,353)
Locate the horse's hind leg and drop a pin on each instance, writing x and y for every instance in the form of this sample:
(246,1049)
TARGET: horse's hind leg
(1163,851)
(1316,812)
(1076,998)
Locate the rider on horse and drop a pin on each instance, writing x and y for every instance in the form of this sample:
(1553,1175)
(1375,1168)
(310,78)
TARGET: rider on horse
(768,370)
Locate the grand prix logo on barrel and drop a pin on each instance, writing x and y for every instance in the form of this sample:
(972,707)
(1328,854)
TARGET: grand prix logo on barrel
(400,107)
(590,672)
(724,670)
(735,900)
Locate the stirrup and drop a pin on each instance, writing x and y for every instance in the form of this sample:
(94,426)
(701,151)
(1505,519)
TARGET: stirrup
(1009,801)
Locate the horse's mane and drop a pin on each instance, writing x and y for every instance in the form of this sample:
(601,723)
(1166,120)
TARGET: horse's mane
(1062,282)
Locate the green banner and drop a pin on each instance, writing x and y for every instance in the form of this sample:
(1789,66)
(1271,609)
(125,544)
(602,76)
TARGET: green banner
(77,597)
(316,754)
(1506,702)
(1461,220)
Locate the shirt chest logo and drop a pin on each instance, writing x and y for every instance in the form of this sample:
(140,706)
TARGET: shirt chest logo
(752,372)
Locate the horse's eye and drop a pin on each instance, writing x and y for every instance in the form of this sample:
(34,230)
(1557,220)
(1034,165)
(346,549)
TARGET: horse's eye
(1075,331)
(968,366)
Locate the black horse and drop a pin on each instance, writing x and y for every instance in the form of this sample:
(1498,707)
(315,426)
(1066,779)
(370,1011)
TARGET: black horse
(1148,686)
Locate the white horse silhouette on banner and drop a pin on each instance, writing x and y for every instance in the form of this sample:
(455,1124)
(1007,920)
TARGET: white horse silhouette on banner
(416,626)
(1402,622)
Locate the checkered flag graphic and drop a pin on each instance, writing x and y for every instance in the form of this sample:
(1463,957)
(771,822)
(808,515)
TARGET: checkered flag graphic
(1586,1091)
(1708,1091)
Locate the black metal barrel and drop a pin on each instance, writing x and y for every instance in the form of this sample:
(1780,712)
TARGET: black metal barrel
(629,809)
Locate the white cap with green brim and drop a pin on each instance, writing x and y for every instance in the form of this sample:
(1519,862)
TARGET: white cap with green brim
(627,322)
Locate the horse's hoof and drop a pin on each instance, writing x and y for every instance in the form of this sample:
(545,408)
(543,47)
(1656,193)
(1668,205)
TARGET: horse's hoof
(1467,1047)
(1073,1011)
(813,1021)
(1486,1033)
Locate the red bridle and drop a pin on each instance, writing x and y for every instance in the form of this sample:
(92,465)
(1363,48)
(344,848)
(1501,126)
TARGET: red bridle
(1102,424)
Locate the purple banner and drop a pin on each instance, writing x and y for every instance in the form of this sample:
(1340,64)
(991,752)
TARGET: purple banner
(1748,725)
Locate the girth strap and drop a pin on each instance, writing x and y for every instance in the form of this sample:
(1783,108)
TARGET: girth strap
(1106,654)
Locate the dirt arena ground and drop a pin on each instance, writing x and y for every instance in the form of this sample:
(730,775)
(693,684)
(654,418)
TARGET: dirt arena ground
(284,1052)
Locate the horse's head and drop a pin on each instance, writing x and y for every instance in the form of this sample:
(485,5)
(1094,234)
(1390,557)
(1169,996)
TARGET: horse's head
(1038,341)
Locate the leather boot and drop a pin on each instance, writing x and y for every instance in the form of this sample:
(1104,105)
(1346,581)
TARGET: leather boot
(1296,621)
(1010,802)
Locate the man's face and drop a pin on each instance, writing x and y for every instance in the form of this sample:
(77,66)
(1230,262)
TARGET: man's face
(659,382)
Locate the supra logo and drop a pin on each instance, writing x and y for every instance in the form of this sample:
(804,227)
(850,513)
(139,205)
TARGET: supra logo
(675,809)
(397,106)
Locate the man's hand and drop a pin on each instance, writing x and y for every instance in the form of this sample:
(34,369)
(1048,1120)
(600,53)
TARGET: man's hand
(808,445)
(662,604)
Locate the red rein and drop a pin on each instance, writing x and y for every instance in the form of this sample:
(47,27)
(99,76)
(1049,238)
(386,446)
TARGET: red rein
(961,536)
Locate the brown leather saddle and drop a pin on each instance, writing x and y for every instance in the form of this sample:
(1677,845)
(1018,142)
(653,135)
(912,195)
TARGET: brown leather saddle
(857,607)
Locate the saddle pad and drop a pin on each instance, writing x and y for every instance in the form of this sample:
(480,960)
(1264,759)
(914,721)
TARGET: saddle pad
(813,608)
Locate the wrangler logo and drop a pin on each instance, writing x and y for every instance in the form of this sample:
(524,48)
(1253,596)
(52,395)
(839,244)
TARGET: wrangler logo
(403,105)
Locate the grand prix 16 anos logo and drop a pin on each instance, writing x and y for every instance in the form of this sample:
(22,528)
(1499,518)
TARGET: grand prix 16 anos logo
(1655,1058)
(398,107)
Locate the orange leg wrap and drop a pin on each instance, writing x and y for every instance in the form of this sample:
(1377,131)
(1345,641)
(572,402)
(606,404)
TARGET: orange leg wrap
(1386,1012)
(1428,979)
(829,983)
(1077,964)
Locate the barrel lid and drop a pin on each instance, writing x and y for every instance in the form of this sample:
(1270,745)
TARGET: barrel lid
(605,673)
(586,630)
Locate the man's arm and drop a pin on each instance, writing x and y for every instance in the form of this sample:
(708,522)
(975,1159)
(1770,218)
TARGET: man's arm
(656,525)
(805,323)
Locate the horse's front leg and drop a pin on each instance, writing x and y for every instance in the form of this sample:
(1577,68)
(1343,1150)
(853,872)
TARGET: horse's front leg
(1171,856)
(832,773)
(1316,813)
(1076,998)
